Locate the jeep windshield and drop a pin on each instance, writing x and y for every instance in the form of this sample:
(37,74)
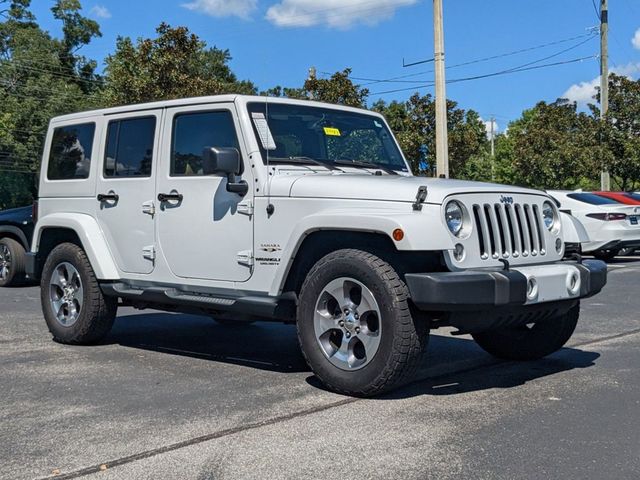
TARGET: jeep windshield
(325,136)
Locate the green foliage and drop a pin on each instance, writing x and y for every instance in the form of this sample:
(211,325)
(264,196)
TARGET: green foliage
(552,146)
(620,132)
(175,64)
(337,89)
(414,124)
(40,77)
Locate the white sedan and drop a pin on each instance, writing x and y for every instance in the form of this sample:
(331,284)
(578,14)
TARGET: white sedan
(611,226)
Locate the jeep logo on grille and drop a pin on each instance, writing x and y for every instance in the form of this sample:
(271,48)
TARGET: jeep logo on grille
(506,200)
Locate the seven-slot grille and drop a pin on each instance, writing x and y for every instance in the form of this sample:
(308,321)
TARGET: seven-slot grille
(509,230)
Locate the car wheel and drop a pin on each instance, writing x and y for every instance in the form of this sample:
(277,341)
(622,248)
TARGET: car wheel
(530,342)
(74,307)
(606,255)
(12,260)
(355,324)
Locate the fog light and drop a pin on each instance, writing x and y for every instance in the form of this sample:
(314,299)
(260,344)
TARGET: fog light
(573,283)
(558,245)
(458,252)
(532,288)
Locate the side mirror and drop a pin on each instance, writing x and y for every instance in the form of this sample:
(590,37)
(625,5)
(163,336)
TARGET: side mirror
(226,161)
(221,160)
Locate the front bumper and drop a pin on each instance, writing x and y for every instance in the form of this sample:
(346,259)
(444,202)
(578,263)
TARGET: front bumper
(526,286)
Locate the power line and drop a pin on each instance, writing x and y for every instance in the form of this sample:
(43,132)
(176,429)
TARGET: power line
(494,74)
(595,9)
(589,36)
(21,65)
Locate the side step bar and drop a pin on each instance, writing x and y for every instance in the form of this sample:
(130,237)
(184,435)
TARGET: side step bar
(161,297)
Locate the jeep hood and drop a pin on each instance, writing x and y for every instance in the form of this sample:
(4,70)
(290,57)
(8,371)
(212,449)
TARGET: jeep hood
(394,188)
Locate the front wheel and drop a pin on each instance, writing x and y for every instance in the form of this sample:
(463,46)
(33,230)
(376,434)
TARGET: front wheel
(530,342)
(74,307)
(355,325)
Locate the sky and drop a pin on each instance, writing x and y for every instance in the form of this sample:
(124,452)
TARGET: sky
(274,42)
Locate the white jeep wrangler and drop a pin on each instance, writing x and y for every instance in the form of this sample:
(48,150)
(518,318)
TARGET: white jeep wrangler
(246,208)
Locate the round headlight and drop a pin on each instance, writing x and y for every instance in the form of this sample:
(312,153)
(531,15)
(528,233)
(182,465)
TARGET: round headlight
(549,215)
(454,217)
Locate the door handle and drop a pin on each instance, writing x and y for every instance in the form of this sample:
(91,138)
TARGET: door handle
(173,196)
(108,197)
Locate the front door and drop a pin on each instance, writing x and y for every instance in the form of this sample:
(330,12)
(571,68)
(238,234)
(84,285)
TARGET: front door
(204,231)
(126,188)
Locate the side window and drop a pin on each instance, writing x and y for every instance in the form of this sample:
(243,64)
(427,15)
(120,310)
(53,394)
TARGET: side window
(192,133)
(70,155)
(129,149)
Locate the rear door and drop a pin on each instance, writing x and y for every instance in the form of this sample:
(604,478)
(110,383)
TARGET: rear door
(126,188)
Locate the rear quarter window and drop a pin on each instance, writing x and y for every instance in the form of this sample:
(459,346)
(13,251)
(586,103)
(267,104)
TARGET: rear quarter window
(70,154)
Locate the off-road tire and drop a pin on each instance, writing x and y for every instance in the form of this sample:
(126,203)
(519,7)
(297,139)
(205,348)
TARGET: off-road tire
(16,275)
(606,255)
(98,311)
(523,343)
(403,336)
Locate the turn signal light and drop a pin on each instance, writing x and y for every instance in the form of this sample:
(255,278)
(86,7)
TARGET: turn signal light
(398,234)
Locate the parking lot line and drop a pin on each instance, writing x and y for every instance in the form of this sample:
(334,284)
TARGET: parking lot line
(302,413)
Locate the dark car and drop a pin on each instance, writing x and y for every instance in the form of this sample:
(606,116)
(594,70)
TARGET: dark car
(16,231)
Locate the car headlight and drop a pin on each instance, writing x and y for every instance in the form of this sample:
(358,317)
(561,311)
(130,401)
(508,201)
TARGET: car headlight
(549,215)
(454,216)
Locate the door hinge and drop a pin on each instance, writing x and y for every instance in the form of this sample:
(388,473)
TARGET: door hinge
(246,207)
(245,257)
(149,208)
(149,252)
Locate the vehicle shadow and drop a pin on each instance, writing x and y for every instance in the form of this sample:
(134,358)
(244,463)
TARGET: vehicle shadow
(452,365)
(498,374)
(264,345)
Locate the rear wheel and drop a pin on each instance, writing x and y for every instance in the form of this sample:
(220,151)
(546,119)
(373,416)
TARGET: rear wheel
(74,307)
(12,260)
(530,342)
(355,325)
(606,255)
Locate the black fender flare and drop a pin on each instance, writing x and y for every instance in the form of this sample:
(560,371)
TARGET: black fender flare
(16,232)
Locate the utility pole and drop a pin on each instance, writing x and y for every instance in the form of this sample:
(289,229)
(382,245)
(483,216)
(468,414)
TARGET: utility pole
(493,147)
(605,180)
(442,147)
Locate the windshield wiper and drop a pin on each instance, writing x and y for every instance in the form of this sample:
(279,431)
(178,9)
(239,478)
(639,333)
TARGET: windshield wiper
(301,159)
(358,163)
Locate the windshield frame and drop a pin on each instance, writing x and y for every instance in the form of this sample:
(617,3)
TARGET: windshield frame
(262,106)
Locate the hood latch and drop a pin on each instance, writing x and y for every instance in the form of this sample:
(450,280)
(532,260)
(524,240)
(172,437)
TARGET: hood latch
(421,196)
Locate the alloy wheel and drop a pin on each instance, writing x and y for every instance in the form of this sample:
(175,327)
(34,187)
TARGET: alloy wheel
(347,323)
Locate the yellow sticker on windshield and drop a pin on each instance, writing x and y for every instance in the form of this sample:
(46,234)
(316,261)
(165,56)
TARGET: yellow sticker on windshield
(334,132)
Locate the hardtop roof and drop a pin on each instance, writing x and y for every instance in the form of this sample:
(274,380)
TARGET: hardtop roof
(211,99)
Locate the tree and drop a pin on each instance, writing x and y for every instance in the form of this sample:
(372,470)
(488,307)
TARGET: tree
(414,124)
(620,132)
(36,85)
(551,146)
(175,64)
(338,89)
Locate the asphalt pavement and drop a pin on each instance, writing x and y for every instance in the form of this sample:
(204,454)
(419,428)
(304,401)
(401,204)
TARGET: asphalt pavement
(171,396)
